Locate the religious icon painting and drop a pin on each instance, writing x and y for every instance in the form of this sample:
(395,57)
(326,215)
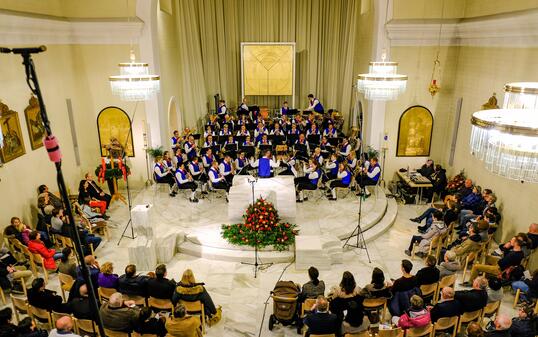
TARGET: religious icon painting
(415,132)
(115,133)
(36,129)
(12,144)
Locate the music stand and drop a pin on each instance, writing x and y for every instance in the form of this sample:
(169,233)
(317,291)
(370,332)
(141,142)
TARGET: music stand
(292,139)
(334,141)
(314,139)
(277,140)
(264,148)
(248,149)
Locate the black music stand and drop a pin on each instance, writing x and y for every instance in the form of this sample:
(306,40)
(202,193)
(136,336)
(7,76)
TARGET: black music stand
(249,150)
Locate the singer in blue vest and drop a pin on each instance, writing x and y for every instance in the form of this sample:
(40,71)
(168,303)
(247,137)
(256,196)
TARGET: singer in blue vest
(264,165)
(190,148)
(343,179)
(217,180)
(309,181)
(331,168)
(241,164)
(185,182)
(226,169)
(222,110)
(370,175)
(198,173)
(176,141)
(284,110)
(314,104)
(163,176)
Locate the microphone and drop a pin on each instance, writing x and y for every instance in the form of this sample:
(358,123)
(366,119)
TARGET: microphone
(31,50)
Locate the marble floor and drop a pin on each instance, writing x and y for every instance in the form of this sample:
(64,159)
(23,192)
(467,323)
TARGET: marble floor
(245,299)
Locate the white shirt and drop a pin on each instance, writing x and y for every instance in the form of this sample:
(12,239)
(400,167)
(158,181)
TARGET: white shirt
(342,175)
(205,162)
(374,172)
(193,173)
(346,152)
(221,169)
(189,147)
(158,171)
(240,133)
(330,165)
(312,104)
(272,163)
(179,179)
(352,164)
(214,176)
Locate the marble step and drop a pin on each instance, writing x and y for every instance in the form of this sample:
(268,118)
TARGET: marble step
(233,255)
(309,251)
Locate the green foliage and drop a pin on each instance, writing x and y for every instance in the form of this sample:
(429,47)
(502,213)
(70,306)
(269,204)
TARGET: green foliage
(155,151)
(261,228)
(372,152)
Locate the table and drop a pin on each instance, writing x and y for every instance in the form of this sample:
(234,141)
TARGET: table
(404,176)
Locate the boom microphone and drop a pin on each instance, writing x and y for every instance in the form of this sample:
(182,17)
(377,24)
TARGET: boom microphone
(31,50)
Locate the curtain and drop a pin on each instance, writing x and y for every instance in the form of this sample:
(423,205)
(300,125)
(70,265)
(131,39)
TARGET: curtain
(210,33)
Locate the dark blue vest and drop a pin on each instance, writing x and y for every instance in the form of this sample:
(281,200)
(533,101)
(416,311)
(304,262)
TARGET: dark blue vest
(347,179)
(334,170)
(315,181)
(318,107)
(371,168)
(183,175)
(264,167)
(161,168)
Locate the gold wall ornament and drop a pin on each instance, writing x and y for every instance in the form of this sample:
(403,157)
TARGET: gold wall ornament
(491,103)
(114,129)
(34,123)
(415,132)
(13,144)
(434,86)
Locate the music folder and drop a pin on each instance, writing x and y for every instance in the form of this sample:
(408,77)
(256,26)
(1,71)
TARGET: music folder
(334,141)
(277,139)
(231,147)
(264,148)
(249,150)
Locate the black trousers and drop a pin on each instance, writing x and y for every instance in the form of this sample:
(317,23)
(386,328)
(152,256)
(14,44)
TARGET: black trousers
(200,177)
(167,179)
(328,176)
(191,185)
(414,239)
(221,185)
(365,181)
(303,183)
(337,183)
(229,179)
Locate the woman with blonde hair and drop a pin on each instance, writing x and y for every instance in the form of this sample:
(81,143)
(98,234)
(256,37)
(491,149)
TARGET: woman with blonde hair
(189,290)
(107,278)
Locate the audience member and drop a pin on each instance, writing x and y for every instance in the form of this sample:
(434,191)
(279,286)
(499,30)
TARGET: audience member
(495,289)
(415,317)
(378,288)
(7,329)
(402,290)
(80,306)
(182,325)
(533,235)
(131,283)
(43,298)
(148,325)
(437,229)
(10,273)
(55,201)
(36,246)
(474,299)
(502,326)
(447,306)
(528,287)
(18,230)
(107,278)
(93,267)
(314,287)
(524,324)
(407,281)
(189,290)
(430,273)
(27,328)
(427,169)
(355,321)
(340,296)
(64,328)
(160,286)
(450,265)
(320,321)
(67,264)
(474,330)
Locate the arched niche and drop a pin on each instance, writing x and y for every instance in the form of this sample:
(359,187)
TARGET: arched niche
(175,120)
(415,132)
(113,122)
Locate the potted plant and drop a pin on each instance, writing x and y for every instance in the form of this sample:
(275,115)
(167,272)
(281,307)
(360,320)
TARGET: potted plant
(155,151)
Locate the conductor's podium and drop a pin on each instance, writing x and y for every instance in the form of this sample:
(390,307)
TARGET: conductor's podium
(280,191)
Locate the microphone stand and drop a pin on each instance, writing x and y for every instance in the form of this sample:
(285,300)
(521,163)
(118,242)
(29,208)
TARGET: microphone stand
(53,150)
(257,265)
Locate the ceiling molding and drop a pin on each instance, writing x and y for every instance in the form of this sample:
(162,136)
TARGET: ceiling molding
(516,30)
(29,29)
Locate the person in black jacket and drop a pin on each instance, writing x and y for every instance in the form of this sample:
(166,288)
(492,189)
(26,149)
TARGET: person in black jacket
(427,169)
(474,299)
(80,306)
(42,298)
(7,329)
(320,321)
(132,284)
(160,286)
(523,325)
(502,327)
(27,328)
(447,306)
(428,274)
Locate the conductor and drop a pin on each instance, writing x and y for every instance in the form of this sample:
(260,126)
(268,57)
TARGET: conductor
(264,165)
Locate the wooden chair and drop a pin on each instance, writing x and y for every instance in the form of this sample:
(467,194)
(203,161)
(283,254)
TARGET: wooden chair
(468,262)
(516,298)
(30,258)
(40,316)
(38,261)
(20,305)
(396,332)
(307,305)
(160,304)
(434,243)
(195,308)
(372,304)
(105,293)
(468,317)
(419,332)
(490,310)
(112,333)
(57,315)
(359,334)
(100,227)
(86,327)
(438,245)
(446,323)
(429,290)
(66,282)
(447,281)
(3,295)
(139,300)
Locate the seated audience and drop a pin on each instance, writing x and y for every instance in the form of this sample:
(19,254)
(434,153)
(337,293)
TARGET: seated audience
(474,330)
(415,317)
(528,287)
(27,328)
(533,235)
(80,306)
(427,169)
(495,289)
(447,306)
(355,320)
(339,296)
(439,181)
(463,191)
(180,324)
(189,290)
(93,267)
(43,298)
(524,324)
(36,246)
(11,275)
(470,245)
(93,217)
(502,326)
(95,192)
(107,278)
(18,230)
(160,286)
(430,273)
(68,263)
(64,328)
(450,265)
(7,329)
(131,283)
(402,290)
(474,299)
(314,287)
(55,201)
(320,321)
(378,288)
(437,229)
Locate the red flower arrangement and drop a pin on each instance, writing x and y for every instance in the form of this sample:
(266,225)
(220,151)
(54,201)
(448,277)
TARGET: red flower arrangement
(455,183)
(261,228)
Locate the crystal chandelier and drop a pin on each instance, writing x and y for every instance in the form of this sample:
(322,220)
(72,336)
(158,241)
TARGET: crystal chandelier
(134,82)
(507,139)
(382,83)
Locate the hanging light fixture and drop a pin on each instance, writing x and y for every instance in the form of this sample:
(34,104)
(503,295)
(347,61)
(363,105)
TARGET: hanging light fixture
(382,83)
(134,83)
(507,139)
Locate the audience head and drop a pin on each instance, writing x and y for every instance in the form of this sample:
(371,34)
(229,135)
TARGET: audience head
(180,311)
(34,235)
(451,204)
(494,283)
(64,324)
(160,271)
(378,277)
(26,326)
(468,183)
(480,283)
(407,266)
(431,261)
(437,215)
(83,290)
(533,228)
(348,283)
(483,225)
(42,189)
(322,305)
(474,330)
(188,277)
(447,293)
(107,268)
(526,311)
(115,300)
(38,284)
(503,322)
(313,273)
(477,190)
(6,315)
(66,253)
(416,302)
(450,256)
(130,270)
(89,260)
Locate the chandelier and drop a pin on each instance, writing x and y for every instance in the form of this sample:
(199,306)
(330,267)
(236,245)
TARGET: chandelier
(134,82)
(382,83)
(506,139)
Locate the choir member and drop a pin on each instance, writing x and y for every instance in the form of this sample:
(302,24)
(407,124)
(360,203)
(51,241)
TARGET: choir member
(309,181)
(163,175)
(185,181)
(226,169)
(343,179)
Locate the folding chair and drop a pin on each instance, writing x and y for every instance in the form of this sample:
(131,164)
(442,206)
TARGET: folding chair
(40,316)
(20,305)
(446,323)
(468,317)
(66,282)
(160,304)
(195,308)
(419,332)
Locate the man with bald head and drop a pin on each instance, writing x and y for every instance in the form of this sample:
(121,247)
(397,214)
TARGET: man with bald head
(320,321)
(64,328)
(502,326)
(447,306)
(533,235)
